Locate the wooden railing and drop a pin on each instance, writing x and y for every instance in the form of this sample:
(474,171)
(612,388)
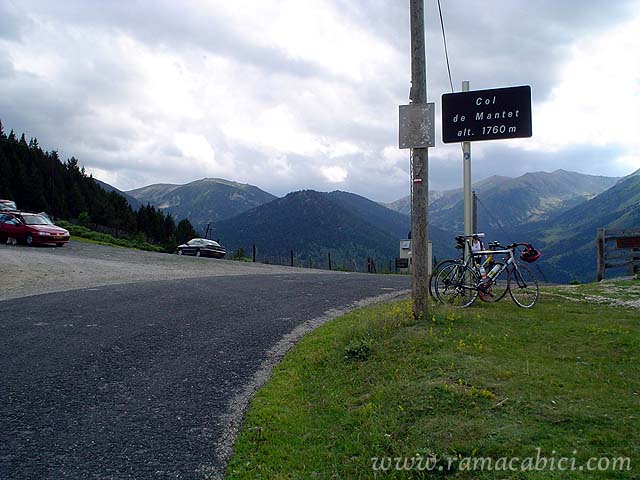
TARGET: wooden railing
(618,248)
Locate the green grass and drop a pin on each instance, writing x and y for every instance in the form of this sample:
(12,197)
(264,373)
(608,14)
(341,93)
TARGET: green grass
(489,381)
(84,234)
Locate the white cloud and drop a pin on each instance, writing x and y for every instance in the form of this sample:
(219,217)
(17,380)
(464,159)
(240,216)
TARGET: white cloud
(279,166)
(597,101)
(274,130)
(334,174)
(392,155)
(336,149)
(629,162)
(195,148)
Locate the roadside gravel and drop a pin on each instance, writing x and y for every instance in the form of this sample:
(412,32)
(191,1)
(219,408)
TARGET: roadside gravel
(28,271)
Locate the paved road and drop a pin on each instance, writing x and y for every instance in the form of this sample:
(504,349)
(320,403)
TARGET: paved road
(148,380)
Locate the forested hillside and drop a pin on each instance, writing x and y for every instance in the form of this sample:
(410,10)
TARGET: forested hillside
(568,240)
(39,181)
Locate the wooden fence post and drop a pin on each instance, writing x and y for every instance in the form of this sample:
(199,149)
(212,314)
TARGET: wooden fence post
(329,254)
(254,253)
(601,250)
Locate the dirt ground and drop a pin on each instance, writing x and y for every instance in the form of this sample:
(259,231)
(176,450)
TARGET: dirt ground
(34,270)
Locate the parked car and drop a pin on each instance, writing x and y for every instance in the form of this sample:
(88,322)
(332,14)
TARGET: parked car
(7,205)
(202,247)
(31,228)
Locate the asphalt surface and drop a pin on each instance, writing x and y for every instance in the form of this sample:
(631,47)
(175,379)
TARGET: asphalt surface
(147,380)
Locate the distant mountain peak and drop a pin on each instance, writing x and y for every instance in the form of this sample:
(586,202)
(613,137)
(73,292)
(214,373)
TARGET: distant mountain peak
(219,181)
(205,200)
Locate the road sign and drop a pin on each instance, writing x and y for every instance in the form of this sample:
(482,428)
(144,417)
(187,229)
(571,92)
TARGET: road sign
(486,114)
(417,125)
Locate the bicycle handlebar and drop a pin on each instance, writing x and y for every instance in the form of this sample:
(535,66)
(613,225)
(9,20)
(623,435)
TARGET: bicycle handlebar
(511,246)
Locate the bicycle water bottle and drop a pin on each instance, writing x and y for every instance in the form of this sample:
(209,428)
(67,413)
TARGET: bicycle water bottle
(494,271)
(483,272)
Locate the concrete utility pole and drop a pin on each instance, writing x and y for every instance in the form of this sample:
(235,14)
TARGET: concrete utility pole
(468,196)
(420,173)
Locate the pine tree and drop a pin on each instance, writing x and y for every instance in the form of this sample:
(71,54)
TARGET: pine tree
(185,231)
(33,145)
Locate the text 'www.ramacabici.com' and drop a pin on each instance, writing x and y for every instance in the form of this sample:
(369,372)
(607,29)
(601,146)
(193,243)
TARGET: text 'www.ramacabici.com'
(535,462)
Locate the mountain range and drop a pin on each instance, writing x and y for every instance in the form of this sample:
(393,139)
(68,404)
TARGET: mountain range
(313,224)
(133,202)
(505,204)
(568,239)
(558,212)
(204,201)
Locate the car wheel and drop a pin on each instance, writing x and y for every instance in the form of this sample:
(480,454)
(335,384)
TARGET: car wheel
(29,240)
(197,253)
(179,251)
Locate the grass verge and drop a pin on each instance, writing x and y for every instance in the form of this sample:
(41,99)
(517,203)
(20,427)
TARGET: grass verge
(90,236)
(490,382)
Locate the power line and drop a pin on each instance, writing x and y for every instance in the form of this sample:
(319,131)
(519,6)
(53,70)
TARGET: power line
(446,50)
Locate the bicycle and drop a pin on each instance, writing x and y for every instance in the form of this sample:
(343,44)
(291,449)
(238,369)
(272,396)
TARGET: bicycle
(497,290)
(459,284)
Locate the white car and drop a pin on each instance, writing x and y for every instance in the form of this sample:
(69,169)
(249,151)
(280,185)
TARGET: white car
(202,247)
(8,205)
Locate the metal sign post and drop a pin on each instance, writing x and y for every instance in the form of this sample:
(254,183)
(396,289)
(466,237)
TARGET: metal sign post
(468,199)
(470,116)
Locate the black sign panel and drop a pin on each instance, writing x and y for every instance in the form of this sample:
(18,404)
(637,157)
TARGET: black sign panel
(486,114)
(402,263)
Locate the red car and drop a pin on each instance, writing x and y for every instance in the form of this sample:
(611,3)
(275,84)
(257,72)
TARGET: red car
(31,228)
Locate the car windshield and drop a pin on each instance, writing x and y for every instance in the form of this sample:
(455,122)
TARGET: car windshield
(36,220)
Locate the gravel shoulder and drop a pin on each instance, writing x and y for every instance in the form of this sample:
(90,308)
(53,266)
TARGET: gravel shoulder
(28,271)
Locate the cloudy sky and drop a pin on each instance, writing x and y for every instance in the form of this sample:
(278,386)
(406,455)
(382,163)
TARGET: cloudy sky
(296,94)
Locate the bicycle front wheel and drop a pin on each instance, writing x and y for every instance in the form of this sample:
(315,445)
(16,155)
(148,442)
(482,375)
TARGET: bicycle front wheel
(523,286)
(456,285)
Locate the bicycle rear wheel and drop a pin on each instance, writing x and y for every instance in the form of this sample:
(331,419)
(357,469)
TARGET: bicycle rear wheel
(435,272)
(455,285)
(498,288)
(523,286)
